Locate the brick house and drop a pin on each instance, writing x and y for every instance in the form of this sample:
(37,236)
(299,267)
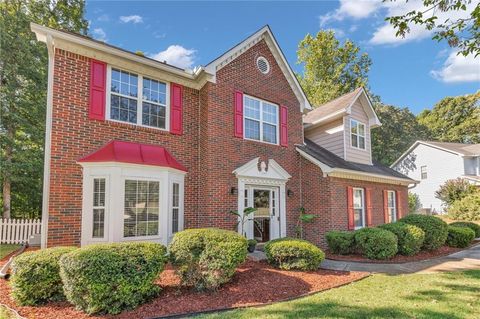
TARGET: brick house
(137,149)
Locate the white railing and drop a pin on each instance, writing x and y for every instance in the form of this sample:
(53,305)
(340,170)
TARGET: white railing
(18,231)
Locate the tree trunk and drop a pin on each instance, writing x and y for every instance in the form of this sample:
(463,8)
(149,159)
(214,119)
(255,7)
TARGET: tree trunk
(6,197)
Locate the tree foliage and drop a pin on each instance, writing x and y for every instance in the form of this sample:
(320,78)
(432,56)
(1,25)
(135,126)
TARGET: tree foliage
(454,119)
(461,31)
(331,69)
(453,190)
(23,78)
(399,130)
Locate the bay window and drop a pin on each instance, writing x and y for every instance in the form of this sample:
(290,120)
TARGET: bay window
(260,120)
(98,224)
(141,208)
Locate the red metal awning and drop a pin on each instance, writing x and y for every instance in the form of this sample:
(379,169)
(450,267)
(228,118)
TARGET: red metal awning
(134,153)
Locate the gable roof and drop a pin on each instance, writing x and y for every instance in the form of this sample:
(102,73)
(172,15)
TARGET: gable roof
(265,33)
(331,163)
(460,149)
(340,106)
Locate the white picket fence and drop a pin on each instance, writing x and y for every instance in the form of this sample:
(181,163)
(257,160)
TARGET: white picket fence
(17,231)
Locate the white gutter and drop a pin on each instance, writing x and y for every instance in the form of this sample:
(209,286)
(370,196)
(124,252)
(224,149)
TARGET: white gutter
(48,143)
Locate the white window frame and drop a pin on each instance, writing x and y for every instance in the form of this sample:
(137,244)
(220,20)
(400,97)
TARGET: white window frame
(392,216)
(261,120)
(358,135)
(104,207)
(423,170)
(181,217)
(139,99)
(363,205)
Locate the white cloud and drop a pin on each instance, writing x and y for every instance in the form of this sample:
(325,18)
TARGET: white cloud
(176,55)
(356,9)
(133,18)
(103,18)
(159,35)
(99,34)
(458,68)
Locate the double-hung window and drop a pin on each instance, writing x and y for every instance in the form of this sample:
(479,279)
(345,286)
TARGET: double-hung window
(137,99)
(260,120)
(359,207)
(392,206)
(357,133)
(423,172)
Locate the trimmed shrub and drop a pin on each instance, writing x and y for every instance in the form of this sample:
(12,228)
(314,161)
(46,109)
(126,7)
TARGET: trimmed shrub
(376,243)
(459,236)
(289,254)
(467,208)
(108,278)
(472,226)
(36,276)
(436,230)
(207,258)
(410,237)
(340,242)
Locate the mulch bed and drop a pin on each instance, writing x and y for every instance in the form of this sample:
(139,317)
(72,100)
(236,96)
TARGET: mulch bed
(255,283)
(399,259)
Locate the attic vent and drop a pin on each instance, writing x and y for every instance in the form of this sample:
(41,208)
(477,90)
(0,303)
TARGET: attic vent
(263,65)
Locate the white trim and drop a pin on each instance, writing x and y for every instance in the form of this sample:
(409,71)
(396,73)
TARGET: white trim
(48,143)
(262,58)
(363,205)
(374,121)
(261,121)
(325,168)
(263,34)
(394,207)
(358,135)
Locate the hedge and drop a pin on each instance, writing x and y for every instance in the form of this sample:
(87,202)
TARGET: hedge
(109,278)
(436,230)
(410,237)
(340,242)
(36,276)
(472,226)
(289,254)
(207,258)
(459,236)
(376,243)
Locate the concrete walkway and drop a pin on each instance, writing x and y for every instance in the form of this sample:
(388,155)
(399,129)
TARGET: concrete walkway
(462,260)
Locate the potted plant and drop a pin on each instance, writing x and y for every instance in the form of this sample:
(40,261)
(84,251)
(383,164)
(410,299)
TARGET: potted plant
(252,244)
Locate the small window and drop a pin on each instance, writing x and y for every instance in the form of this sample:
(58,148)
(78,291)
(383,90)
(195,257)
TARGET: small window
(392,206)
(357,131)
(263,65)
(141,208)
(98,207)
(175,207)
(261,120)
(423,172)
(359,207)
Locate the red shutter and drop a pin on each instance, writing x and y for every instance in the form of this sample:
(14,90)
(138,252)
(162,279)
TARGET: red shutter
(385,206)
(351,222)
(238,114)
(283,126)
(98,84)
(176,109)
(398,201)
(368,200)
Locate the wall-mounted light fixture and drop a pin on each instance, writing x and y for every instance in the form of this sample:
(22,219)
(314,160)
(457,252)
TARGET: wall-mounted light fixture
(289,193)
(233,191)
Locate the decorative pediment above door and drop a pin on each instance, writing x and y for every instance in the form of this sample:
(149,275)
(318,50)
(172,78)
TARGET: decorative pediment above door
(262,170)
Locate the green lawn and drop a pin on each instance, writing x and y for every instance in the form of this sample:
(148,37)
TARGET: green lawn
(5,313)
(6,249)
(446,295)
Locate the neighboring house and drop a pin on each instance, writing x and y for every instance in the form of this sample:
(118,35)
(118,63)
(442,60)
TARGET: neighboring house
(433,163)
(137,149)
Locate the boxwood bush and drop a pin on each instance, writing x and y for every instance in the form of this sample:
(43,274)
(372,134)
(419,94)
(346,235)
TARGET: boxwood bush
(376,243)
(36,276)
(459,236)
(340,242)
(410,237)
(289,254)
(207,258)
(472,226)
(436,230)
(108,278)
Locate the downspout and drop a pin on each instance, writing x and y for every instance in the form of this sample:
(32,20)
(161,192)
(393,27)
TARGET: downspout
(48,143)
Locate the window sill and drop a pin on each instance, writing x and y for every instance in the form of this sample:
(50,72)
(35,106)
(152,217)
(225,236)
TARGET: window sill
(262,142)
(136,126)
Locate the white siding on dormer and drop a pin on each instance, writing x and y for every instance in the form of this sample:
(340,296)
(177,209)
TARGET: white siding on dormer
(353,154)
(328,136)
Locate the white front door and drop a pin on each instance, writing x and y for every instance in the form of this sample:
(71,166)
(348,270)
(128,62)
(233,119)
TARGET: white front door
(266,218)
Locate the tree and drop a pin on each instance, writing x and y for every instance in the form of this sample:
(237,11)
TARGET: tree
(454,119)
(414,203)
(331,69)
(399,130)
(456,21)
(454,190)
(23,78)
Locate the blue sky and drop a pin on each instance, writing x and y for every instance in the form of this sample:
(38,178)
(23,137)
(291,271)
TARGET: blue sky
(415,72)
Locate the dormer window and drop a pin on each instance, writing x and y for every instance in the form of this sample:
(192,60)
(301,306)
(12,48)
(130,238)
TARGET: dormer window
(357,133)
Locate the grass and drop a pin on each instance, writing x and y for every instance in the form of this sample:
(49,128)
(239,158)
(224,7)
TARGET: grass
(6,249)
(6,313)
(445,295)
